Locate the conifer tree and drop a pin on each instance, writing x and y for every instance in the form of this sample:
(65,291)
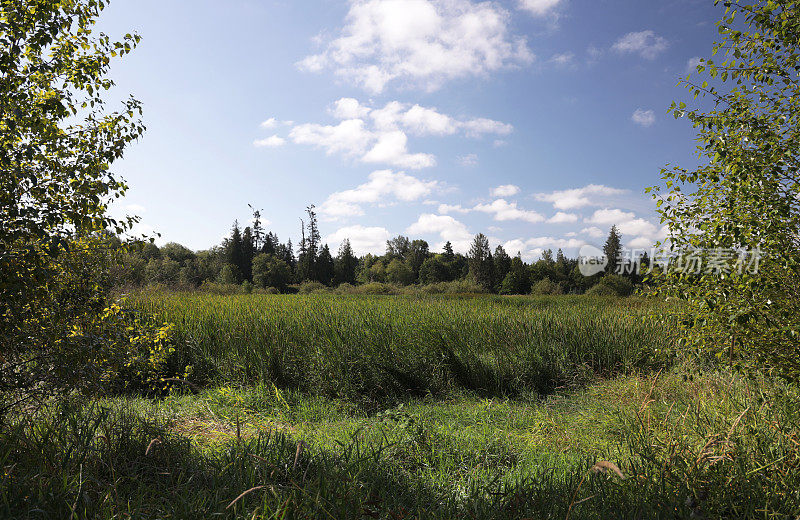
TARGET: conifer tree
(613,249)
(345,264)
(481,266)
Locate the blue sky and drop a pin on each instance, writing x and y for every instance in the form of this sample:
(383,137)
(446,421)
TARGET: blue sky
(536,122)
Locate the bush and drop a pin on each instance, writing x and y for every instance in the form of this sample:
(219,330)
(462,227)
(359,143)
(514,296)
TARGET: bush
(612,285)
(222,289)
(546,287)
(309,287)
(601,291)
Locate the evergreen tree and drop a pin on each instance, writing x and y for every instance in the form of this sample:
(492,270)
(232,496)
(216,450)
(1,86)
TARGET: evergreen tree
(613,250)
(270,244)
(234,253)
(309,247)
(248,252)
(285,252)
(449,255)
(517,280)
(258,230)
(345,264)
(502,265)
(481,266)
(324,266)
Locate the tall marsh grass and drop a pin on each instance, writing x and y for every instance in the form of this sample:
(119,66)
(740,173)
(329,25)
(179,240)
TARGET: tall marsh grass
(379,347)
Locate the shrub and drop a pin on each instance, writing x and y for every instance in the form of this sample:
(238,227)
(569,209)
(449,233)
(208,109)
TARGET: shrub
(546,286)
(309,287)
(612,285)
(601,290)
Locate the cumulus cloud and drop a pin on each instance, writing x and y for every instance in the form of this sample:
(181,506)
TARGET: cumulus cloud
(422,43)
(503,210)
(590,195)
(363,239)
(452,208)
(380,135)
(539,7)
(505,190)
(643,117)
(646,44)
(563,218)
(270,142)
(447,227)
(610,216)
(392,148)
(349,108)
(531,249)
(382,185)
(594,232)
(635,231)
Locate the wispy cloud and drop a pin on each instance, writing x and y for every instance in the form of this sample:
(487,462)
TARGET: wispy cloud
(646,44)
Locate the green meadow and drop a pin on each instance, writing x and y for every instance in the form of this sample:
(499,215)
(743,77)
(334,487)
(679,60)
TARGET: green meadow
(322,406)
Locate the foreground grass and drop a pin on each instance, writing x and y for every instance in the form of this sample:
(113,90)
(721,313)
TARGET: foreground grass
(688,445)
(378,350)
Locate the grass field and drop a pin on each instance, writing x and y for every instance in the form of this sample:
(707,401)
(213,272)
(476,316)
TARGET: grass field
(405,407)
(383,348)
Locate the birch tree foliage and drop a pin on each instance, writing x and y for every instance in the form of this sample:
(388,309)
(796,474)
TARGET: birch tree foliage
(739,212)
(58,141)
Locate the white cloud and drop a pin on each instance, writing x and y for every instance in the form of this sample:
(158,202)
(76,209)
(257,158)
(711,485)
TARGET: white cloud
(635,231)
(646,44)
(448,208)
(531,248)
(270,142)
(505,190)
(363,239)
(382,185)
(350,137)
(591,195)
(380,135)
(421,43)
(643,117)
(539,7)
(504,210)
(448,229)
(563,218)
(392,148)
(594,232)
(478,127)
(565,59)
(269,123)
(692,64)
(468,160)
(349,108)
(610,217)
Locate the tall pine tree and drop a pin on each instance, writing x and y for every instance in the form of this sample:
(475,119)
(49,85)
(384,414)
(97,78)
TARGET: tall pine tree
(613,250)
(481,267)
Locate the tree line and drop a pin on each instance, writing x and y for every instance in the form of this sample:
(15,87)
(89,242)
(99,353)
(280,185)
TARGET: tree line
(256,258)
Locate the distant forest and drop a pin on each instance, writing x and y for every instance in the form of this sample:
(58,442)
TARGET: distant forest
(254,258)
